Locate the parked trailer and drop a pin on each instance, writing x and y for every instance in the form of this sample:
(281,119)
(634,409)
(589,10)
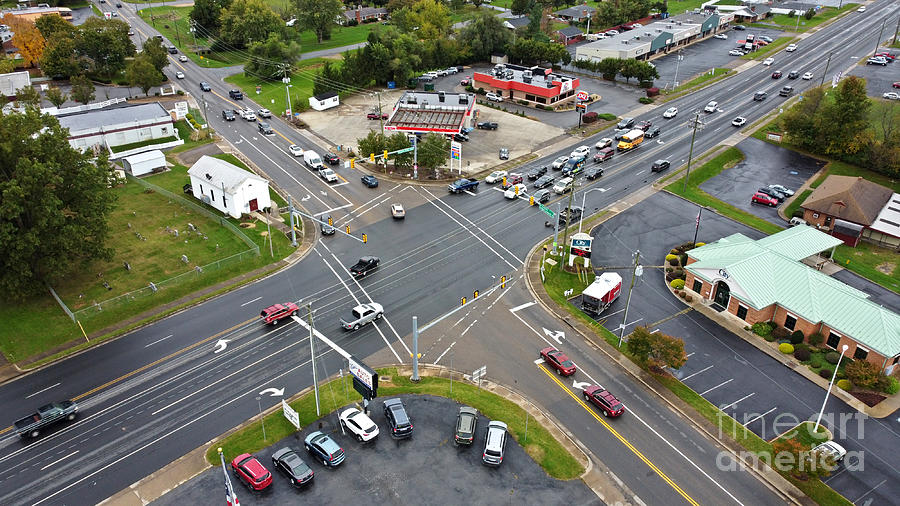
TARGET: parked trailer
(601,293)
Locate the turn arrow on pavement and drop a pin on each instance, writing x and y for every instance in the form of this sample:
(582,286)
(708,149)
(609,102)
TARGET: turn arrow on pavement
(557,335)
(274,392)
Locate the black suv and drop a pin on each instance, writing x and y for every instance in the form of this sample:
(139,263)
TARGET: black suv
(759,96)
(236,94)
(228,115)
(659,166)
(544,181)
(536,173)
(466,421)
(593,172)
(487,125)
(397,419)
(793,74)
(777,195)
(576,215)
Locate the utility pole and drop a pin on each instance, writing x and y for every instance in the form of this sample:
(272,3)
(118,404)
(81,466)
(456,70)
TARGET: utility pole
(696,124)
(381,119)
(415,140)
(896,31)
(312,355)
(293,229)
(175,22)
(286,80)
(152,20)
(828,62)
(556,227)
(415,350)
(697,228)
(193,33)
(568,220)
(880,33)
(634,274)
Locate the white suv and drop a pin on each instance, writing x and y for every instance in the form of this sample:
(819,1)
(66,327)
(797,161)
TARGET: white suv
(494,443)
(359,424)
(493,97)
(580,152)
(791,48)
(496,176)
(711,107)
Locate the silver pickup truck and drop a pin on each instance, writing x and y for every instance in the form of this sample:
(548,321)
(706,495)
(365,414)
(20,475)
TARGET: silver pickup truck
(361,315)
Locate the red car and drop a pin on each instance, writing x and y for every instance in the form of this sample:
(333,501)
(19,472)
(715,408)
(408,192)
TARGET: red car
(466,81)
(559,361)
(776,74)
(762,198)
(896,85)
(375,115)
(887,55)
(277,312)
(249,470)
(604,400)
(643,125)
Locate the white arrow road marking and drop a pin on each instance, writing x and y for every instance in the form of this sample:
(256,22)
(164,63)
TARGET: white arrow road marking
(557,335)
(223,343)
(274,392)
(307,197)
(578,385)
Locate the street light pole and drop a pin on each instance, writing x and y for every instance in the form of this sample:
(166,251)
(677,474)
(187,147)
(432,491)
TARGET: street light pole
(696,123)
(677,60)
(637,259)
(583,214)
(824,72)
(312,355)
(819,419)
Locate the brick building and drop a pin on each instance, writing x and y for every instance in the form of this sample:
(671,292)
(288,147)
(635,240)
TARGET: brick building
(535,85)
(852,208)
(764,281)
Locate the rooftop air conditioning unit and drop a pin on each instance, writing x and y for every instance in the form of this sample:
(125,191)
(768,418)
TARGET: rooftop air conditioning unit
(526,79)
(659,30)
(527,74)
(509,74)
(463,99)
(625,42)
(678,23)
(440,96)
(648,33)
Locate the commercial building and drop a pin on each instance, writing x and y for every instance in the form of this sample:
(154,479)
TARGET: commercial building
(765,281)
(852,208)
(13,82)
(230,189)
(657,38)
(116,126)
(33,13)
(422,112)
(535,85)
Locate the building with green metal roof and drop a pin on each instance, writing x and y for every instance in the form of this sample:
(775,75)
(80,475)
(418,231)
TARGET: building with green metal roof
(765,281)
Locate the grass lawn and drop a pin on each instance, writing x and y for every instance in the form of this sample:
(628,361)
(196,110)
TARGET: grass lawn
(540,445)
(704,79)
(272,92)
(709,169)
(785,22)
(763,52)
(880,265)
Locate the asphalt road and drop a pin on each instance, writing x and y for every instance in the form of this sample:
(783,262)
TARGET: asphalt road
(156,393)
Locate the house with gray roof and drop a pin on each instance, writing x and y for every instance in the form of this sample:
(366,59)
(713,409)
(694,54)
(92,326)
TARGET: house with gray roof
(765,281)
(361,14)
(229,188)
(519,22)
(570,35)
(13,82)
(576,13)
(115,126)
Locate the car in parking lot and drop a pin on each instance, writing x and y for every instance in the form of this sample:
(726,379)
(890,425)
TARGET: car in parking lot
(832,450)
(370,181)
(626,123)
(486,125)
(542,196)
(249,471)
(397,418)
(324,449)
(739,28)
(711,106)
(544,181)
(359,424)
(236,94)
(877,60)
(776,74)
(735,52)
(535,173)
(660,165)
(326,224)
(651,132)
(331,158)
(460,137)
(504,154)
(603,399)
(179,75)
(896,84)
(794,74)
(593,172)
(288,462)
(671,112)
(397,211)
(466,422)
(720,36)
(493,97)
(559,163)
(807,76)
(563,185)
(604,155)
(791,48)
(264,128)
(775,194)
(465,81)
(768,61)
(884,54)
(759,96)
(765,38)
(580,152)
(762,198)
(515,191)
(204,86)
(496,176)
(494,443)
(375,115)
(228,115)
(891,95)
(558,360)
(739,121)
(781,189)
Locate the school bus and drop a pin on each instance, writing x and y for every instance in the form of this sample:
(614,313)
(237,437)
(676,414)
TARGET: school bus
(631,140)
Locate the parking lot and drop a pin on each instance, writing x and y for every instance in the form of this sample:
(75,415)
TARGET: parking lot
(764,164)
(878,78)
(427,468)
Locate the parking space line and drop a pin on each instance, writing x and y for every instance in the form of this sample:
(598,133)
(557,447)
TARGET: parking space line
(696,373)
(760,416)
(723,408)
(717,386)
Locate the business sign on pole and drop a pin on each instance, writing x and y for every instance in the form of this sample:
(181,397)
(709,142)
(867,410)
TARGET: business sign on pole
(290,414)
(582,95)
(455,150)
(365,380)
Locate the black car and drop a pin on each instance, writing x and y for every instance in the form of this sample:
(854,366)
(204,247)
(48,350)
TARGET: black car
(593,172)
(118,5)
(398,420)
(739,28)
(544,181)
(660,165)
(228,115)
(204,86)
(651,132)
(773,193)
(535,173)
(793,74)
(326,225)
(264,128)
(369,180)
(625,124)
(576,213)
(236,94)
(620,132)
(292,466)
(461,137)
(364,266)
(331,158)
(759,96)
(487,125)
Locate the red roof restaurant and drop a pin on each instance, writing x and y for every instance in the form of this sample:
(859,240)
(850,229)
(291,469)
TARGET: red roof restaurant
(535,85)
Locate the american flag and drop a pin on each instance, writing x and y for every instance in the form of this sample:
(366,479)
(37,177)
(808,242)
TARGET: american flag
(230,497)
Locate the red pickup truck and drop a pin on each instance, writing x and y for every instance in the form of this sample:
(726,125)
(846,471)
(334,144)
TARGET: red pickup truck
(272,314)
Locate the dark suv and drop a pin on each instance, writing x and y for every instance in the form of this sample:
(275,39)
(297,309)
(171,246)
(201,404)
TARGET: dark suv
(236,94)
(228,115)
(625,124)
(466,421)
(398,420)
(659,166)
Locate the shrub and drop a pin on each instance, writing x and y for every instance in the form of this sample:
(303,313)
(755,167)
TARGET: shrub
(832,357)
(699,244)
(688,298)
(682,294)
(815,363)
(781,333)
(589,117)
(762,329)
(674,261)
(797,214)
(525,102)
(863,374)
(797,337)
(677,284)
(670,257)
(845,385)
(683,258)
(815,339)
(786,348)
(892,386)
(652,91)
(669,269)
(607,116)
(189,116)
(645,100)
(481,91)
(352,22)
(802,354)
(826,373)
(674,252)
(770,338)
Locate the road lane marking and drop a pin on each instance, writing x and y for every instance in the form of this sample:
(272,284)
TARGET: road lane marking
(158,341)
(444,353)
(622,439)
(523,306)
(44,390)
(251,301)
(467,328)
(59,460)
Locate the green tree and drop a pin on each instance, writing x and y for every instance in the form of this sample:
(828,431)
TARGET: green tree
(398,141)
(105,43)
(267,57)
(644,72)
(809,14)
(55,27)
(433,151)
(156,54)
(55,95)
(485,35)
(328,79)
(799,122)
(609,67)
(82,89)
(245,21)
(374,142)
(520,7)
(630,68)
(55,205)
(60,58)
(142,73)
(429,19)
(28,96)
(843,122)
(318,16)
(656,349)
(206,13)
(864,374)
(8,65)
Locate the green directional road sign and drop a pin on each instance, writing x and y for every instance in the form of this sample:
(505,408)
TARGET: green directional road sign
(399,151)
(547,210)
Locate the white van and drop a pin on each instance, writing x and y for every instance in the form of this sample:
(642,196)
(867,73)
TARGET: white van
(312,160)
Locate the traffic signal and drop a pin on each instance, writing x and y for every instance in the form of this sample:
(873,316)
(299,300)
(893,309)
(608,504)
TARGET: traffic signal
(372,157)
(502,281)
(385,156)
(504,180)
(462,301)
(348,229)
(531,200)
(330,221)
(475,295)
(516,189)
(365,239)
(353,163)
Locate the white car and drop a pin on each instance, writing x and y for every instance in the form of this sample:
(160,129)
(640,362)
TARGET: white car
(791,48)
(264,113)
(768,61)
(515,191)
(496,176)
(580,152)
(359,424)
(781,189)
(612,32)
(179,75)
(295,150)
(891,95)
(671,112)
(603,143)
(720,36)
(807,76)
(248,115)
(182,58)
(830,447)
(711,107)
(735,52)
(493,97)
(328,175)
(563,185)
(739,121)
(861,9)
(559,162)
(397,211)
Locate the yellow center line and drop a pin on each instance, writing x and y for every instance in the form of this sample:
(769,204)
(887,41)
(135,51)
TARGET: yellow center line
(621,438)
(145,367)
